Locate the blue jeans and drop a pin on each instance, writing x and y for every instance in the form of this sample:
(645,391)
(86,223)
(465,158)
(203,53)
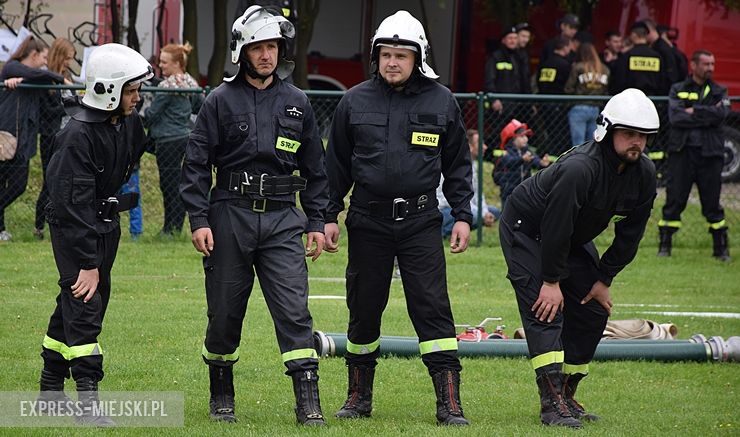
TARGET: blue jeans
(448,221)
(582,121)
(136,218)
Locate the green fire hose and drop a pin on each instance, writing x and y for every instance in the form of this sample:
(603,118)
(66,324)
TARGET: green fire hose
(698,348)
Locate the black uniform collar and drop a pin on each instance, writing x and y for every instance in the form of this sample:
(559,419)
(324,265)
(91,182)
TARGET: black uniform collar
(413,85)
(74,107)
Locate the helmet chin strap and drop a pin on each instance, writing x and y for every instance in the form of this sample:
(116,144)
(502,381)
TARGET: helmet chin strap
(252,72)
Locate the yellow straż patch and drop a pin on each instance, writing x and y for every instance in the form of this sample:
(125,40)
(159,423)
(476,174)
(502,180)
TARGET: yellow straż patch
(287,144)
(425,139)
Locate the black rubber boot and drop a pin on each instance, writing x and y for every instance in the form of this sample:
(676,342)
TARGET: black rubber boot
(307,402)
(447,389)
(569,392)
(666,240)
(721,244)
(359,401)
(222,393)
(52,400)
(90,413)
(553,408)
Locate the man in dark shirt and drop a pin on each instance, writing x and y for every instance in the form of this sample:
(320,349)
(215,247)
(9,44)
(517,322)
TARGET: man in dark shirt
(546,232)
(667,57)
(612,49)
(554,72)
(524,35)
(568,26)
(257,130)
(391,138)
(640,67)
(697,107)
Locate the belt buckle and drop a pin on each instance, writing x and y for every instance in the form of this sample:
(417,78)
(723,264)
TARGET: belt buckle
(111,201)
(400,209)
(262,183)
(244,184)
(255,208)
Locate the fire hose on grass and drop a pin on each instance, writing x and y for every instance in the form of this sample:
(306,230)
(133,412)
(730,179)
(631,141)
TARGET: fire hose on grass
(698,348)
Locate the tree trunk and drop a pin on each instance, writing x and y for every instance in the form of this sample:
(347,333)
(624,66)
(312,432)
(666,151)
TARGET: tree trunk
(307,12)
(190,34)
(132,37)
(115,22)
(218,58)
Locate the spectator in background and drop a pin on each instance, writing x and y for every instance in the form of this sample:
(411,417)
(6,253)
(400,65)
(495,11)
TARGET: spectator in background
(61,54)
(20,116)
(612,49)
(667,57)
(551,78)
(682,62)
(640,67)
(490,212)
(135,214)
(516,164)
(524,35)
(504,68)
(588,77)
(568,26)
(168,119)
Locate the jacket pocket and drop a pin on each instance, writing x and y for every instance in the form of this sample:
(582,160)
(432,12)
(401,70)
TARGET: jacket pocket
(83,191)
(426,132)
(236,130)
(369,132)
(288,138)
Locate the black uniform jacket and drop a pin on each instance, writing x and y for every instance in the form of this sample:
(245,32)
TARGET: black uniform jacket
(711,107)
(573,200)
(641,68)
(503,73)
(240,128)
(395,144)
(92,159)
(553,74)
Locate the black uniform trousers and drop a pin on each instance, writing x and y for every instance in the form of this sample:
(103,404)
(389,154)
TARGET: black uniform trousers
(685,168)
(577,329)
(271,244)
(417,243)
(169,163)
(72,337)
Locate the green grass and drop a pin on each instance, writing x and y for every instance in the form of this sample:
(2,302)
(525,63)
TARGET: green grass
(157,317)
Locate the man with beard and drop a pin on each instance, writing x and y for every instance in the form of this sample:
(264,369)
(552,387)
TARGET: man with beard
(546,233)
(256,131)
(697,107)
(392,136)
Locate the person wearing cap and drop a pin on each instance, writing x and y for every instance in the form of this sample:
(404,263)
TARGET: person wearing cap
(640,67)
(391,139)
(547,230)
(516,164)
(568,26)
(94,154)
(256,130)
(697,108)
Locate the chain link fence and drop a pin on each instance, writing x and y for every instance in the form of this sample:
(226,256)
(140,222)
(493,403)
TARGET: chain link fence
(549,117)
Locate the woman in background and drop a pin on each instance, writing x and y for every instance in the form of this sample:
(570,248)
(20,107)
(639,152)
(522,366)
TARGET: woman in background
(589,76)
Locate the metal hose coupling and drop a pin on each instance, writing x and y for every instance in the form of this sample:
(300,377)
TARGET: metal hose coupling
(718,349)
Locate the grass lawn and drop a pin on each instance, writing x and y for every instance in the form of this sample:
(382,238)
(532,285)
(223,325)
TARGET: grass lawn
(156,321)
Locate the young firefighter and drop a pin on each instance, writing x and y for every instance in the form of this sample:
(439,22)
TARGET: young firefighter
(93,156)
(546,233)
(256,130)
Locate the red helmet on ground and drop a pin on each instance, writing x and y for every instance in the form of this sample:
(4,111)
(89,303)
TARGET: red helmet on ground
(514,128)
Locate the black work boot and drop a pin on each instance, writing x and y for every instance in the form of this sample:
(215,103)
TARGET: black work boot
(90,410)
(447,389)
(721,244)
(307,403)
(569,392)
(665,242)
(359,401)
(222,393)
(52,400)
(553,408)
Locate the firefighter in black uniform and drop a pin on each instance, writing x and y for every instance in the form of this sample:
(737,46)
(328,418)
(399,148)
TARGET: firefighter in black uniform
(256,130)
(696,109)
(546,232)
(94,156)
(551,78)
(391,138)
(640,67)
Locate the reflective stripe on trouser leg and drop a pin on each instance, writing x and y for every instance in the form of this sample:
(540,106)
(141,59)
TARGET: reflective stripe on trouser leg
(300,354)
(226,358)
(438,345)
(71,352)
(363,349)
(669,223)
(717,225)
(554,357)
(575,368)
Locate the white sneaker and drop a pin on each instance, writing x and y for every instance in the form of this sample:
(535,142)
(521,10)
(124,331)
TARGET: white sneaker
(5,236)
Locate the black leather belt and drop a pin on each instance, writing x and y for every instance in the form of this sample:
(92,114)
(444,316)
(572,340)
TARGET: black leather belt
(400,208)
(261,185)
(108,208)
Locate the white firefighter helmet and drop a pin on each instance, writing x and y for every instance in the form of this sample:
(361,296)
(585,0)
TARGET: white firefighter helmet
(111,67)
(402,29)
(262,24)
(630,109)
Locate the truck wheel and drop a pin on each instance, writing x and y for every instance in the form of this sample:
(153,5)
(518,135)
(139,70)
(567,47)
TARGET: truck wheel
(731,168)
